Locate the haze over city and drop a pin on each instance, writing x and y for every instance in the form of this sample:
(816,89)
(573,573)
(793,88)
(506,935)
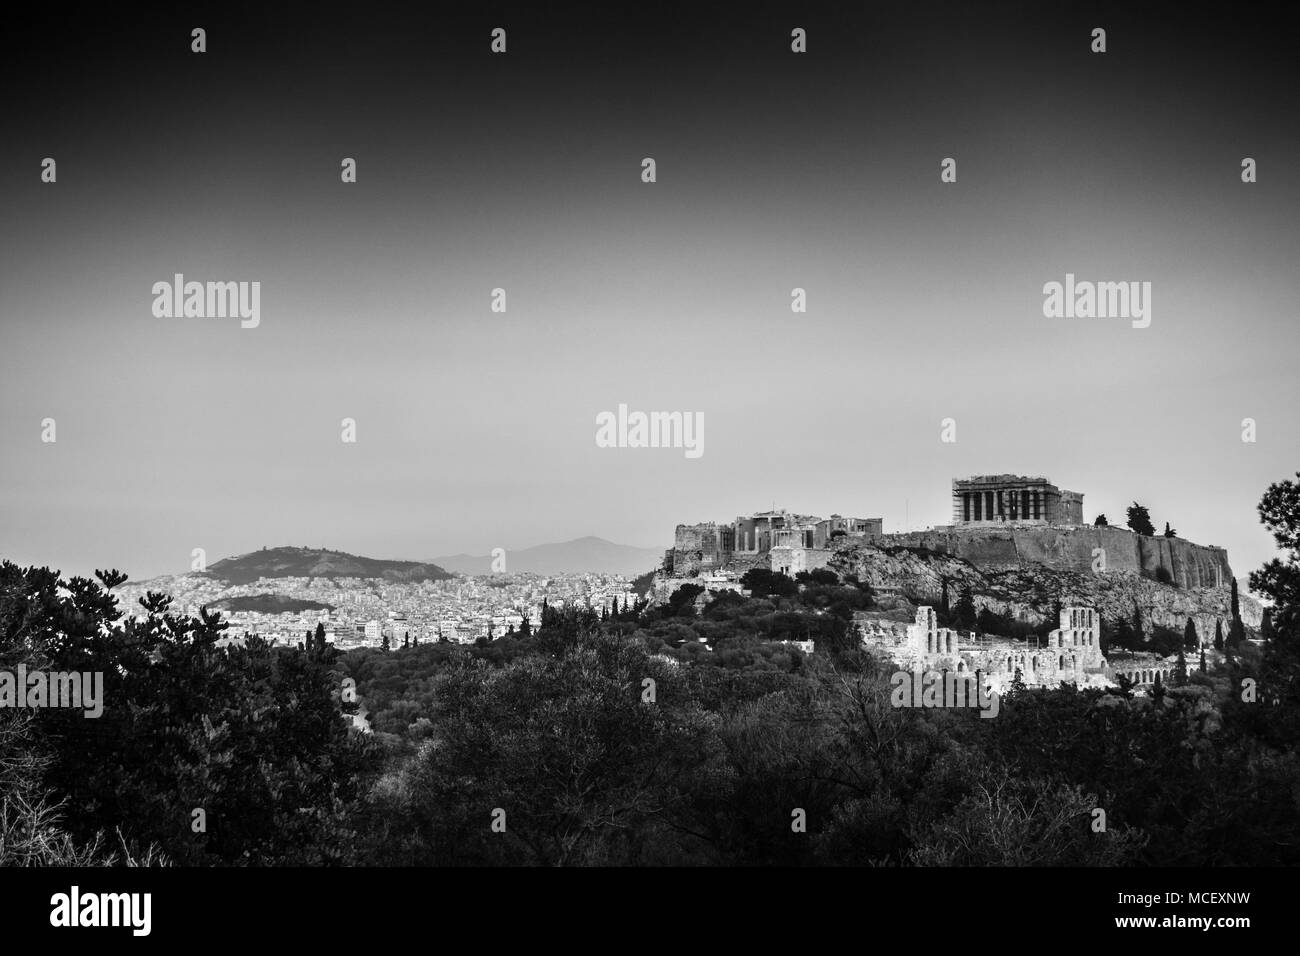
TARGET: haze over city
(475,429)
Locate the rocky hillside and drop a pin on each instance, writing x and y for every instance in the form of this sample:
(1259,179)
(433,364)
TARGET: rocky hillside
(1076,548)
(1029,592)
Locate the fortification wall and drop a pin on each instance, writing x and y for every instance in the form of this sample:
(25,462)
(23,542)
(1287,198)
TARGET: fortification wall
(1072,548)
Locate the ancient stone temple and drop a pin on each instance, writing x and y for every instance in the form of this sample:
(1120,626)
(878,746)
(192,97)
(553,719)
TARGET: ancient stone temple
(984,500)
(1072,653)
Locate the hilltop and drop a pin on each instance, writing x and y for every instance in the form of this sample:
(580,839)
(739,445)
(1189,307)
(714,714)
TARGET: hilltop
(321,563)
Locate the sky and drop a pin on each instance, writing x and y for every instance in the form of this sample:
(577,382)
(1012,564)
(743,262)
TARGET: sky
(476,429)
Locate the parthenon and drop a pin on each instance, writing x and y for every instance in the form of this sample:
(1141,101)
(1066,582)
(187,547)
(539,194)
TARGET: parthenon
(1020,499)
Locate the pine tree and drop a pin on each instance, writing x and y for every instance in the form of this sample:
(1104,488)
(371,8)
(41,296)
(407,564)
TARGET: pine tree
(1139,520)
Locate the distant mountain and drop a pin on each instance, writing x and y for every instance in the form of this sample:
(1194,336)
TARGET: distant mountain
(593,555)
(318,562)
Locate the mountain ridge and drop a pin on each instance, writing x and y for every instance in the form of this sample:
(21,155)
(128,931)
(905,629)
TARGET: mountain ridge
(589,554)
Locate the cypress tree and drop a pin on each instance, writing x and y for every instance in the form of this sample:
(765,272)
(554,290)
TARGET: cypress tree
(1191,640)
(965,612)
(1180,669)
(1218,635)
(1236,629)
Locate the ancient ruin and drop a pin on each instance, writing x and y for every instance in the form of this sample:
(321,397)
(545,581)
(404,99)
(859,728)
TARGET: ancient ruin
(778,540)
(1003,499)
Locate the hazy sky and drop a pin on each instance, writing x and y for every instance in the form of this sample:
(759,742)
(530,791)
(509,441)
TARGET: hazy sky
(523,171)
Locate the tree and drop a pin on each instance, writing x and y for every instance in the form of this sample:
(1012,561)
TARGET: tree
(1279,580)
(525,626)
(614,611)
(1139,520)
(682,601)
(1266,625)
(1170,532)
(1191,640)
(1180,669)
(964,615)
(1101,522)
(254,734)
(986,622)
(584,767)
(1236,629)
(943,600)
(1202,660)
(1218,635)
(384,644)
(761,582)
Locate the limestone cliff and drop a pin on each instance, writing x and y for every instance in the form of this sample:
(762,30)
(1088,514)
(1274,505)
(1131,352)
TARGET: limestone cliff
(1027,590)
(1076,548)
